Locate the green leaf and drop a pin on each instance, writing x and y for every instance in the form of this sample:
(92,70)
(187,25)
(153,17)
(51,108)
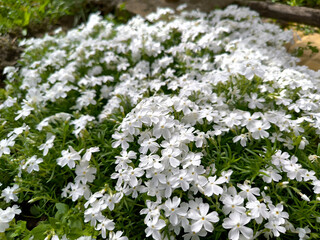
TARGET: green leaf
(62,210)
(39,231)
(52,221)
(35,211)
(62,207)
(26,18)
(318,150)
(20,228)
(76,224)
(43,6)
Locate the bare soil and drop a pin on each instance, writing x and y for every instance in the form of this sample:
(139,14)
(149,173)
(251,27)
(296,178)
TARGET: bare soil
(312,60)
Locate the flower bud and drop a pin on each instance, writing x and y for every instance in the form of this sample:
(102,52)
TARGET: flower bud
(313,158)
(304,197)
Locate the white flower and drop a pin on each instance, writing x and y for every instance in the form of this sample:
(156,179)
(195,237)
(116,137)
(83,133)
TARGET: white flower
(293,169)
(171,155)
(184,179)
(85,173)
(276,227)
(258,211)
(4,146)
(111,200)
(279,158)
(47,145)
(93,215)
(133,175)
(309,175)
(254,101)
(270,174)
(303,143)
(173,211)
(19,130)
(233,119)
(233,204)
(202,218)
(32,164)
(276,213)
(24,112)
(193,159)
(212,186)
(163,128)
(86,98)
(236,222)
(117,236)
(125,158)
(80,124)
(313,158)
(7,216)
(243,138)
(121,139)
(88,154)
(152,211)
(105,225)
(248,192)
(10,193)
(193,235)
(154,227)
(257,129)
(303,233)
(149,144)
(69,157)
(316,186)
(226,175)
(248,119)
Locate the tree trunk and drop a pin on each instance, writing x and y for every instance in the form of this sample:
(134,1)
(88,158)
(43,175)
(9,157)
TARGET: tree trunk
(308,16)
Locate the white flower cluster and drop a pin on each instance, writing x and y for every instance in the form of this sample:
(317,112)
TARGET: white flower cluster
(165,164)
(180,83)
(7,215)
(283,163)
(84,172)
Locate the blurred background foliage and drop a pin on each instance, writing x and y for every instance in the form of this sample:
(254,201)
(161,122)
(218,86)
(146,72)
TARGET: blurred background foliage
(17,16)
(300,3)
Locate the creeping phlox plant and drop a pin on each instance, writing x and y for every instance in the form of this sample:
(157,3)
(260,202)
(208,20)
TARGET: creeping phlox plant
(182,126)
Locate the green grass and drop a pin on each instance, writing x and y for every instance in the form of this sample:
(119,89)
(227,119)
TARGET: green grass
(16,16)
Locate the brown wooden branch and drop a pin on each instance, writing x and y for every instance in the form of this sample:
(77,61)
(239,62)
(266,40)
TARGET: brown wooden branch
(308,16)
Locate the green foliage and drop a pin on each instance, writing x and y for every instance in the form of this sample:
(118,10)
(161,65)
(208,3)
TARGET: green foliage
(18,15)
(300,3)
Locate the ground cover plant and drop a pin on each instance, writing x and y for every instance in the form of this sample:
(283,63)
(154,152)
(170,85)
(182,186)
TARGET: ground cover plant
(182,126)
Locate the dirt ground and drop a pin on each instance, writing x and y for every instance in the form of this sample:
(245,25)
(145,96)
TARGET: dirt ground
(9,53)
(312,60)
